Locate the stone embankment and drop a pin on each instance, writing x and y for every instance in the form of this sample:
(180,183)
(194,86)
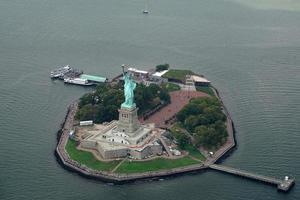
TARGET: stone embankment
(230,143)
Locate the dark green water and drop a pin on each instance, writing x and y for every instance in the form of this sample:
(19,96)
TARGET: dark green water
(250,50)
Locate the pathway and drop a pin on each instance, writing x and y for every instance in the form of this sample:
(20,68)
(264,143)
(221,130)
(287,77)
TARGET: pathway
(166,147)
(114,169)
(178,100)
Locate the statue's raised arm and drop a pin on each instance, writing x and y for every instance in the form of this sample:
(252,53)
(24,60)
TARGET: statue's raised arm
(129,86)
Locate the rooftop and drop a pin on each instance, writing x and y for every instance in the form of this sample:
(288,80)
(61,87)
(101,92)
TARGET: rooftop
(93,78)
(159,74)
(199,79)
(137,70)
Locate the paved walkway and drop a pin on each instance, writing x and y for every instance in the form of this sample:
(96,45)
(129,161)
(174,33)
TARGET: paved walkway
(185,87)
(118,165)
(196,159)
(166,147)
(179,99)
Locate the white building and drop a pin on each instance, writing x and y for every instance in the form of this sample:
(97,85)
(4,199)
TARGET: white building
(200,81)
(140,74)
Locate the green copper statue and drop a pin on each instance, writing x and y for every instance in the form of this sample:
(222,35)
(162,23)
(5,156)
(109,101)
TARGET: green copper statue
(129,87)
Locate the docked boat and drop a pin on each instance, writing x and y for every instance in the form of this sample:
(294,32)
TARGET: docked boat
(60,72)
(78,81)
(146,11)
(65,72)
(74,76)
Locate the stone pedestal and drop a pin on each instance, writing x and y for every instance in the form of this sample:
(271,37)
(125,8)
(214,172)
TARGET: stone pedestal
(128,120)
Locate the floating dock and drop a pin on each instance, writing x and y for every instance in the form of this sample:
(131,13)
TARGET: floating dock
(282,185)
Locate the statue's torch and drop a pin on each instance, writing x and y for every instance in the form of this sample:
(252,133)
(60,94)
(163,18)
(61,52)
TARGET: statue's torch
(123,68)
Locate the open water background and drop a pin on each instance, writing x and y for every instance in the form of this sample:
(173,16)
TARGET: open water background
(249,49)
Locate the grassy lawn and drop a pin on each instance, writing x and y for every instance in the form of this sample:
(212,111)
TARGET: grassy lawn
(87,158)
(206,89)
(170,87)
(178,74)
(177,127)
(153,165)
(193,151)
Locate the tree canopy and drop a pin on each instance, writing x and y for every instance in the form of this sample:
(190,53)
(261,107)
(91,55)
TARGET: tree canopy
(204,118)
(162,67)
(102,105)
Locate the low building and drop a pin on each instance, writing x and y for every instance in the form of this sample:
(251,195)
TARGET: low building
(93,79)
(189,80)
(200,81)
(86,123)
(138,74)
(157,77)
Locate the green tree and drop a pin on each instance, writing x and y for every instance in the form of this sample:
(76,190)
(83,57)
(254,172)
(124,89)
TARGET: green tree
(189,109)
(111,113)
(86,99)
(164,96)
(210,137)
(162,67)
(182,139)
(205,118)
(154,89)
(205,136)
(103,104)
(99,113)
(87,112)
(101,88)
(113,97)
(191,122)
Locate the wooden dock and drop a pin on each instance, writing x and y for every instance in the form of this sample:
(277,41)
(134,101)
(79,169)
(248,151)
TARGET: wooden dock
(282,185)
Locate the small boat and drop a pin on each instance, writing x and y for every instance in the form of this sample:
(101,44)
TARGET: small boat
(146,11)
(60,72)
(65,72)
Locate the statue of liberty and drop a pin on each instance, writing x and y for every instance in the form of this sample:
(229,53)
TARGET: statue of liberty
(129,86)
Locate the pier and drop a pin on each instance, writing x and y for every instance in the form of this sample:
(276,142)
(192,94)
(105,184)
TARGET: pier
(282,185)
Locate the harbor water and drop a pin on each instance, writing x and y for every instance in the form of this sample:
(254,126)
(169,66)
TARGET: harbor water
(249,49)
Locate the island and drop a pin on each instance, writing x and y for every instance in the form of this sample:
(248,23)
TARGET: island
(148,125)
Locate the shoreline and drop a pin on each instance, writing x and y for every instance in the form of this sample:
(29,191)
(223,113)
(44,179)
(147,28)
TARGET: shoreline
(67,163)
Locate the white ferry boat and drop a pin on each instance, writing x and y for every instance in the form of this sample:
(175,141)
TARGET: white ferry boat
(78,81)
